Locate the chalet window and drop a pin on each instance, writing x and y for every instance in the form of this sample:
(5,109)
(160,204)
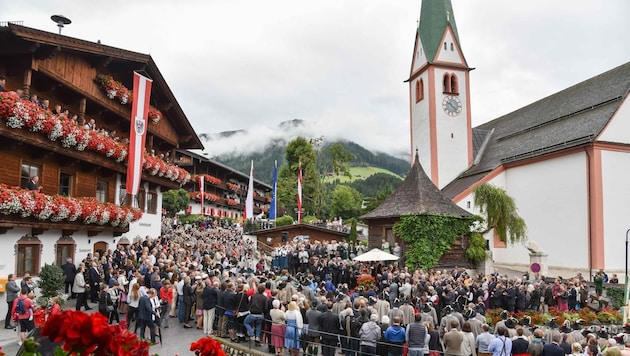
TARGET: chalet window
(141,200)
(122,195)
(64,249)
(151,199)
(65,184)
(28,171)
(419,90)
(28,255)
(101,191)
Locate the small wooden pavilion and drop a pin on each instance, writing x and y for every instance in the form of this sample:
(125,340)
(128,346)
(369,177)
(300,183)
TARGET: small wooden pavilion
(416,195)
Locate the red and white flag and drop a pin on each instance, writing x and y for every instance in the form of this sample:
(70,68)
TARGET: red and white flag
(138,131)
(249,201)
(299,197)
(201,191)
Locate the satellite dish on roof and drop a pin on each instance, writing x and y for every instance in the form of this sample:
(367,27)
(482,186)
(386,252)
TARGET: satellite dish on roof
(60,20)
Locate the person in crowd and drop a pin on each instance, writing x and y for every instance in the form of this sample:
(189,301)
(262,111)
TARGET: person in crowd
(55,307)
(189,300)
(146,315)
(535,347)
(553,348)
(483,341)
(278,327)
(417,337)
(395,336)
(33,184)
(501,345)
(293,329)
(133,299)
(79,287)
(12,293)
(105,303)
(25,317)
(69,271)
(329,326)
(468,347)
(166,299)
(256,307)
(2,83)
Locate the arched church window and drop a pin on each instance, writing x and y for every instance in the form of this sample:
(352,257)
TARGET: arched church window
(419,90)
(446,82)
(454,84)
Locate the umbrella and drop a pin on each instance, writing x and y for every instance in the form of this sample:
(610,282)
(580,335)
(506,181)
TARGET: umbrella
(376,255)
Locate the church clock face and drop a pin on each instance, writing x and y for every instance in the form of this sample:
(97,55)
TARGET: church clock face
(451,105)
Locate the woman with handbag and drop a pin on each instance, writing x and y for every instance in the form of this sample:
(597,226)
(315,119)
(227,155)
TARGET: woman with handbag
(105,303)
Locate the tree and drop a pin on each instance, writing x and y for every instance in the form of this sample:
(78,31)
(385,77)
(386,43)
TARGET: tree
(501,213)
(51,281)
(428,237)
(340,158)
(299,151)
(352,236)
(174,201)
(346,202)
(381,195)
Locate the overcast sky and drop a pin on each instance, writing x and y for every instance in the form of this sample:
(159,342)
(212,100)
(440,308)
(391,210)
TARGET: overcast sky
(340,64)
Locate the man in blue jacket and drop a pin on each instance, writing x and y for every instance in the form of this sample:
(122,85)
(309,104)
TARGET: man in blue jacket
(146,314)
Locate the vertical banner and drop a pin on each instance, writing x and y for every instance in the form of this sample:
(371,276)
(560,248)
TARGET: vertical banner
(272,206)
(138,131)
(299,197)
(249,201)
(202,190)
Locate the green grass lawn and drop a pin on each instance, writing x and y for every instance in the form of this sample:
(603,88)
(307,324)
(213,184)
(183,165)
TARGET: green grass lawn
(359,173)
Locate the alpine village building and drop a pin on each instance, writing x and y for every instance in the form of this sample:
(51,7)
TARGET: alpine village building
(65,117)
(563,158)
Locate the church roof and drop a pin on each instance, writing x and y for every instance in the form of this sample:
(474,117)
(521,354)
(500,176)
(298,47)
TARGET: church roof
(435,15)
(568,119)
(416,195)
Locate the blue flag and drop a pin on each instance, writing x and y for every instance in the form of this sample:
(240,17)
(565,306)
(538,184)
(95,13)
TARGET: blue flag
(274,186)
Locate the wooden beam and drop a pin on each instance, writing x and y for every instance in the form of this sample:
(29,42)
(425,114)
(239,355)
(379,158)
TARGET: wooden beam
(37,231)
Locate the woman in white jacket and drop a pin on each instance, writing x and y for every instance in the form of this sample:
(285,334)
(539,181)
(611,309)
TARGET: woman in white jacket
(78,287)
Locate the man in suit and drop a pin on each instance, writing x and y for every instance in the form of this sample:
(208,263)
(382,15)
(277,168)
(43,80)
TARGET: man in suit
(453,339)
(12,294)
(553,348)
(146,314)
(329,328)
(69,270)
(33,183)
(95,280)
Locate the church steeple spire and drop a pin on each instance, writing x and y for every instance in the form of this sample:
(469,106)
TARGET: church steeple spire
(435,16)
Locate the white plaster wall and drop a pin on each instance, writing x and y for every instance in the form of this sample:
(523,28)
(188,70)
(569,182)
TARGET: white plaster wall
(420,125)
(452,133)
(618,129)
(551,197)
(616,193)
(420,57)
(446,55)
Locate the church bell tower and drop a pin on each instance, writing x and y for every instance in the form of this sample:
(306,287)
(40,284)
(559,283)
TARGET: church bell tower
(439,94)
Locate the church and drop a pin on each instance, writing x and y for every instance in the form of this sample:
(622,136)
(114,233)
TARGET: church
(562,158)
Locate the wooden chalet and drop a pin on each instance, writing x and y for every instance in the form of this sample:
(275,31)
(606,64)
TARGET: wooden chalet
(270,238)
(225,189)
(78,81)
(416,195)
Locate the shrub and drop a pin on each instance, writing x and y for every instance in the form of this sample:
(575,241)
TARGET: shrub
(284,221)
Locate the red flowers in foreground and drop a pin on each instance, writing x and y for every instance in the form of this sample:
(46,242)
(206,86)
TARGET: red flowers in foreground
(207,346)
(85,334)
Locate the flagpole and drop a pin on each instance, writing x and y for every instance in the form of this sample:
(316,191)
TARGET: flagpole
(275,190)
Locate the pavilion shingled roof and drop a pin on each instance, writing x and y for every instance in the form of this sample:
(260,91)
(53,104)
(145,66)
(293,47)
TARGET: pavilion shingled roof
(416,195)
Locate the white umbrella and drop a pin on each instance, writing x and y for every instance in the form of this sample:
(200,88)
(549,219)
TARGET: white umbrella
(376,255)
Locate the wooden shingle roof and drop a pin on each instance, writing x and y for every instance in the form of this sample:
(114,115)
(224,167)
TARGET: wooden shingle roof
(416,195)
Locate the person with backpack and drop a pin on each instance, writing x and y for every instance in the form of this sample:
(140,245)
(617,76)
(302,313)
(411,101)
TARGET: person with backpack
(22,312)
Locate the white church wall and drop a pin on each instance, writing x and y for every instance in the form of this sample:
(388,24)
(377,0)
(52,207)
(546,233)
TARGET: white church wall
(451,52)
(616,206)
(551,197)
(618,129)
(420,125)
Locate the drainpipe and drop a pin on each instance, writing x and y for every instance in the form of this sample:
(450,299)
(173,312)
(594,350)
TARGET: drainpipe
(590,213)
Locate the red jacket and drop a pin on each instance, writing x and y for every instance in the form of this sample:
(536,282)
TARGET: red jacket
(28,308)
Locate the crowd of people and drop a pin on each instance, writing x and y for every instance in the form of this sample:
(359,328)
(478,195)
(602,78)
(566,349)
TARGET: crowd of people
(207,276)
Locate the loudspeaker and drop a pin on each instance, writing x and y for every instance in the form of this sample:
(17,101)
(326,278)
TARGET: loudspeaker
(285,236)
